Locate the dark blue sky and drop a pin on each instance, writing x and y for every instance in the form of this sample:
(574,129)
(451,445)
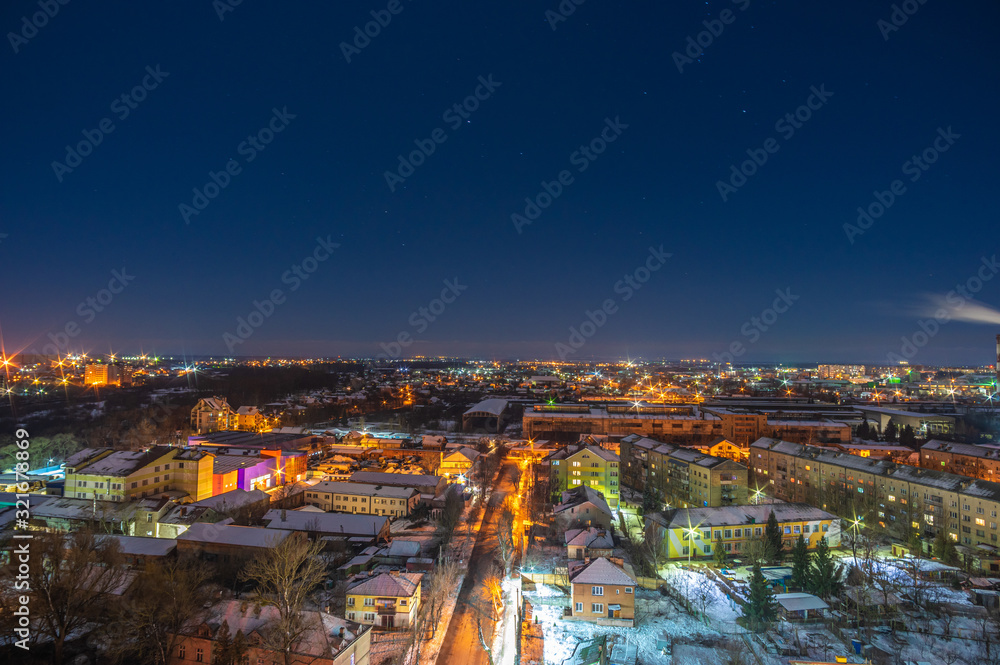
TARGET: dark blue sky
(656,184)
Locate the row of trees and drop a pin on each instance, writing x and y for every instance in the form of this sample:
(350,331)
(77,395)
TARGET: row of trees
(81,587)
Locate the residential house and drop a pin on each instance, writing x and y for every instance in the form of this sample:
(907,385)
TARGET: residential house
(327,640)
(603,591)
(388,600)
(589,543)
(459,462)
(250,419)
(584,506)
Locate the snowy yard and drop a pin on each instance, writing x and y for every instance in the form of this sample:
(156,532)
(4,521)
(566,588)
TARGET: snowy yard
(656,616)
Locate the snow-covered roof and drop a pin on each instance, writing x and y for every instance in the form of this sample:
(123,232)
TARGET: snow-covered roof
(599,571)
(231,534)
(368,489)
(493,407)
(798,602)
(392,585)
(328,523)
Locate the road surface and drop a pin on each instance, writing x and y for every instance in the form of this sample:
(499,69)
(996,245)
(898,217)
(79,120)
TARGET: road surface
(461,644)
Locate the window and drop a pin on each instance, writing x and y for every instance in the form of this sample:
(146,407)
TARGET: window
(350,601)
(788,530)
(757,531)
(369,616)
(597,591)
(199,656)
(370,602)
(402,602)
(597,608)
(579,607)
(980,521)
(728,533)
(628,589)
(182,652)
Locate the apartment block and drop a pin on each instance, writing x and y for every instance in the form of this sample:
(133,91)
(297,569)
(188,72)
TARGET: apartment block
(900,499)
(590,466)
(682,477)
(213,414)
(964,459)
(363,498)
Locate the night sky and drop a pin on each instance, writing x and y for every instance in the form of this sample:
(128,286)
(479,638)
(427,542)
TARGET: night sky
(212,84)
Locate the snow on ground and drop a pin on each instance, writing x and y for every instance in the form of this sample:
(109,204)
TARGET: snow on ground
(705,594)
(655,615)
(894,570)
(546,590)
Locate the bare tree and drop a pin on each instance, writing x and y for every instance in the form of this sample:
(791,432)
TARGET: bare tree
(72,579)
(284,577)
(443,584)
(165,597)
(505,534)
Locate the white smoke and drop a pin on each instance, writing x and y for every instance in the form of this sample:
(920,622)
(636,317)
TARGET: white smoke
(970,311)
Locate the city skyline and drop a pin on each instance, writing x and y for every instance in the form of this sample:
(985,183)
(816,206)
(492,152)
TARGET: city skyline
(483,184)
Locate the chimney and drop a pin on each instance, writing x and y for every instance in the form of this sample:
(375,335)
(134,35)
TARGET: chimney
(341,632)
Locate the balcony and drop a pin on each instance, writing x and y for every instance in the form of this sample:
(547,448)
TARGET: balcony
(385,608)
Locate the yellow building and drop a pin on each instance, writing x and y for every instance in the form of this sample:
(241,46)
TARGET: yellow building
(590,466)
(390,600)
(363,498)
(125,474)
(458,462)
(697,531)
(250,419)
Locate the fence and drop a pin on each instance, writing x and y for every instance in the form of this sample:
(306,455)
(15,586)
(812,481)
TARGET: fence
(554,579)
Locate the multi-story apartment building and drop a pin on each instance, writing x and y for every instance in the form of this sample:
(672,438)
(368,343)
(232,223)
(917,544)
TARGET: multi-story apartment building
(101,375)
(363,498)
(966,460)
(902,500)
(250,419)
(841,371)
(690,424)
(603,591)
(212,414)
(590,466)
(697,531)
(390,600)
(682,477)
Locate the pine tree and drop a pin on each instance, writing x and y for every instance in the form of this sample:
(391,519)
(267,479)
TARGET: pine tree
(718,552)
(801,564)
(240,647)
(863,430)
(223,646)
(824,579)
(772,534)
(944,548)
(907,437)
(760,610)
(891,431)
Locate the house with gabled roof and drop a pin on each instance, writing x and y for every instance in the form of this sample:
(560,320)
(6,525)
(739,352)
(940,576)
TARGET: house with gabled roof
(389,600)
(212,414)
(584,506)
(589,543)
(326,640)
(603,591)
(459,462)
